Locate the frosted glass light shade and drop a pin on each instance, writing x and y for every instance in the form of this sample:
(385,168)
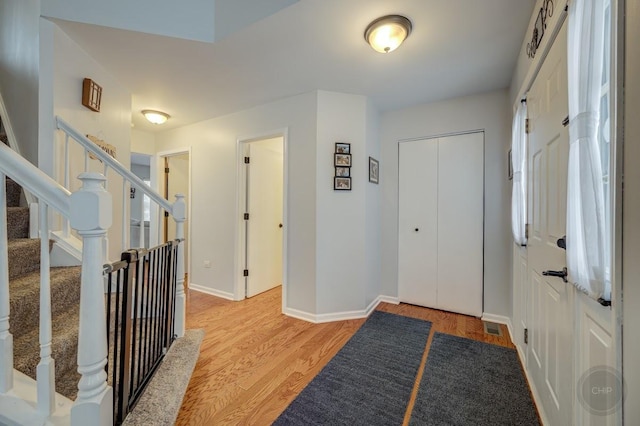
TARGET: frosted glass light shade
(387,33)
(155,117)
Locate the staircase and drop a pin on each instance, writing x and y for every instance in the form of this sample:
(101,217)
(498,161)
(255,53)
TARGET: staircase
(24,287)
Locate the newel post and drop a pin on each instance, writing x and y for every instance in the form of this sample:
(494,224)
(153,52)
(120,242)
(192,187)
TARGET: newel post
(179,212)
(91,215)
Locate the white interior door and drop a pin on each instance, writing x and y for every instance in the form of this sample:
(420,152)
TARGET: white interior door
(550,360)
(440,219)
(418,222)
(460,223)
(264,205)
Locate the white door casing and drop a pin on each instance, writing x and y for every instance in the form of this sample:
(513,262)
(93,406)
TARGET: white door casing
(440,252)
(264,205)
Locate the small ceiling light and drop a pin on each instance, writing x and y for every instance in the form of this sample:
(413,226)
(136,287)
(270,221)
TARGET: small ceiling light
(155,117)
(387,33)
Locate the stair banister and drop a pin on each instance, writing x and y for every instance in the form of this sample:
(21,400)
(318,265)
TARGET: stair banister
(91,217)
(113,163)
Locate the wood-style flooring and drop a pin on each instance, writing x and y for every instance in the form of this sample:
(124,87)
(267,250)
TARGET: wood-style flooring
(254,360)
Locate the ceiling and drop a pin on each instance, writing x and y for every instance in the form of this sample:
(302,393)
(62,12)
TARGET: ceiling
(457,47)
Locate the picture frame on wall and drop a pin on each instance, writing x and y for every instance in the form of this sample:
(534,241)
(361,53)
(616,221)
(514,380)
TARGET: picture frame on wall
(342,183)
(342,160)
(343,172)
(343,148)
(374,170)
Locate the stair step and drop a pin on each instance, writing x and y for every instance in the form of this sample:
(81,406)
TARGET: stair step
(4,138)
(24,256)
(18,222)
(26,351)
(25,297)
(13,193)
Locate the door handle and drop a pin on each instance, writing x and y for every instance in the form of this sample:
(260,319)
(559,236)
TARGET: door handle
(562,242)
(279,225)
(560,274)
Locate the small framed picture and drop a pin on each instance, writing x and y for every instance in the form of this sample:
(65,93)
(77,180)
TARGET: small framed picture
(343,148)
(342,183)
(342,160)
(374,170)
(343,171)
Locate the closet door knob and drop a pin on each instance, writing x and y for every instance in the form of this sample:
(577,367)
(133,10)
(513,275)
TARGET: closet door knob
(417,229)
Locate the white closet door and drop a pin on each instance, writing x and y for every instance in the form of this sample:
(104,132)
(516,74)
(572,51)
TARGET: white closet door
(418,224)
(460,223)
(440,223)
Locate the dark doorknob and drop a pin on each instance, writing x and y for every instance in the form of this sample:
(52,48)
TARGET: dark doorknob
(560,274)
(417,229)
(279,225)
(562,242)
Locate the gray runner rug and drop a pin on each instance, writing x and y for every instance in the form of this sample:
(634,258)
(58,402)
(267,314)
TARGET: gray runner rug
(466,382)
(370,379)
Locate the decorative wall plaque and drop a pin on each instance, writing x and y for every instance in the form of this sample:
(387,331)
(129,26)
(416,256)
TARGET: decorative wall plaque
(546,12)
(91,94)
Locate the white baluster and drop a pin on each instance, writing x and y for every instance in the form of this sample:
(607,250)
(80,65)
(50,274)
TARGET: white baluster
(125,222)
(45,372)
(6,339)
(179,212)
(66,227)
(91,216)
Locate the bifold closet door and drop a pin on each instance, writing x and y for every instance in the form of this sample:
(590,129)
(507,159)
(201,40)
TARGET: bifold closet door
(441,192)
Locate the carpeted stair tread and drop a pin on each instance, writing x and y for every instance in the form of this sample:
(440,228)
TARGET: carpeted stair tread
(4,138)
(25,297)
(18,222)
(64,350)
(13,193)
(24,256)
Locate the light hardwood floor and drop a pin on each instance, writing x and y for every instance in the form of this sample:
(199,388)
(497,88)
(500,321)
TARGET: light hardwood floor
(254,361)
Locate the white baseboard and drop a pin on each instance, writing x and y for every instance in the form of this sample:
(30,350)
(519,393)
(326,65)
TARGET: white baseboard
(211,291)
(339,316)
(500,319)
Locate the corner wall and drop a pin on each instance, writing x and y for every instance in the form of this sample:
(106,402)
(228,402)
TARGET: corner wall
(489,112)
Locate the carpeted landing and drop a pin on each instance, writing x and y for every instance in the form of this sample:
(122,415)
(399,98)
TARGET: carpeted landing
(370,381)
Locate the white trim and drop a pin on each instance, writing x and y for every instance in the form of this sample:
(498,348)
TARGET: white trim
(500,319)
(339,316)
(239,291)
(211,291)
(536,396)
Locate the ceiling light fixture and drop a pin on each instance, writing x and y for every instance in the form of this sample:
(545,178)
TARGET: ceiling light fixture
(387,33)
(155,117)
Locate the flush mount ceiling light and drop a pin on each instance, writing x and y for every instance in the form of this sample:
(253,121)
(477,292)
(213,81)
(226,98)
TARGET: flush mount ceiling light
(387,33)
(155,117)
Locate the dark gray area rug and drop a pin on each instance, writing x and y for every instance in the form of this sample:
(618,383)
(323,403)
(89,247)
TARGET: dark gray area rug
(466,382)
(370,379)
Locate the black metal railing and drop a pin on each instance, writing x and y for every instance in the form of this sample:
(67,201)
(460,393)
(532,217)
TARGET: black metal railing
(140,302)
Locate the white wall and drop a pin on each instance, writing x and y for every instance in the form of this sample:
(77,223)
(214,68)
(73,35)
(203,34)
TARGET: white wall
(188,19)
(214,181)
(143,142)
(112,124)
(372,208)
(19,65)
(340,218)
(489,112)
(630,221)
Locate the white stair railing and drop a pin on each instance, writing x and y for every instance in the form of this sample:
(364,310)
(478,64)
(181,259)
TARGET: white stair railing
(177,210)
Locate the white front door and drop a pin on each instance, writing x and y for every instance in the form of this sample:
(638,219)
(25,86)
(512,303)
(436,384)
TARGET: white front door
(550,357)
(264,206)
(440,252)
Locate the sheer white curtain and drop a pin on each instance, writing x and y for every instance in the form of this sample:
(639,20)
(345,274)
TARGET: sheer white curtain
(585,196)
(519,161)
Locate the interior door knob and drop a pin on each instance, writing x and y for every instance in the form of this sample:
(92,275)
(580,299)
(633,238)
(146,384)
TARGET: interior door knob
(279,225)
(417,229)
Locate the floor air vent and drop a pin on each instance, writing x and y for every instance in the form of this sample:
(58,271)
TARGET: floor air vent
(492,328)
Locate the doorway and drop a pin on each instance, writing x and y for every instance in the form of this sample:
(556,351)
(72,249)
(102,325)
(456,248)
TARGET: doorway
(261,201)
(173,176)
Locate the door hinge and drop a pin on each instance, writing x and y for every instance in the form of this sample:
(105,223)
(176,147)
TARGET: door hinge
(245,273)
(166,214)
(166,170)
(246,160)
(526,336)
(526,126)
(565,122)
(246,216)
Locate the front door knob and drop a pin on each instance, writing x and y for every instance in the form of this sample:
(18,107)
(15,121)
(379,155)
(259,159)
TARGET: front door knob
(560,274)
